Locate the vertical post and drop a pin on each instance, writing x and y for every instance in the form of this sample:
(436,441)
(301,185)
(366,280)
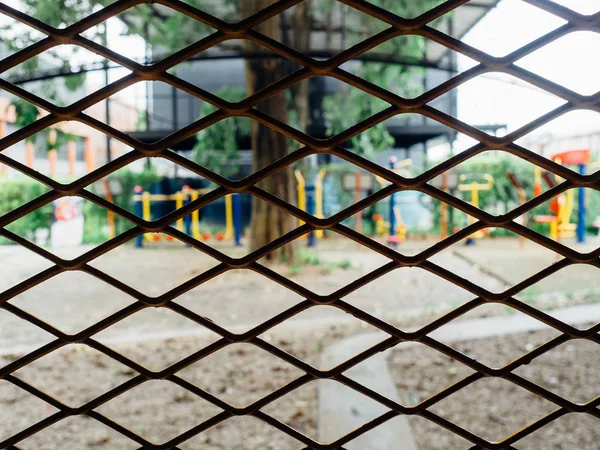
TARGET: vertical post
(187,220)
(71,157)
(90,160)
(301,193)
(107,100)
(319,200)
(146,211)
(537,183)
(111,215)
(444,208)
(137,201)
(174,106)
(582,212)
(228,217)
(195,218)
(451,213)
(522,200)
(237,219)
(357,198)
(147,82)
(3,167)
(29,154)
(475,196)
(52,156)
(392,238)
(179,201)
(311,209)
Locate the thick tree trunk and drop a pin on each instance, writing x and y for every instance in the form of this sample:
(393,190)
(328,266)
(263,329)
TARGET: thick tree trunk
(269,222)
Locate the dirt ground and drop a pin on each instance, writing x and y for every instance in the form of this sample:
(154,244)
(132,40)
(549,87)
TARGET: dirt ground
(156,338)
(495,408)
(160,410)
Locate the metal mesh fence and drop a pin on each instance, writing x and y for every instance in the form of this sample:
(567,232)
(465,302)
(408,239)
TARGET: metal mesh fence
(310,67)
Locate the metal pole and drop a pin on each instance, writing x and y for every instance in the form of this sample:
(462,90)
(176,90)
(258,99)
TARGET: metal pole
(581,221)
(392,238)
(107,101)
(311,209)
(147,56)
(237,219)
(174,106)
(139,211)
(187,220)
(357,197)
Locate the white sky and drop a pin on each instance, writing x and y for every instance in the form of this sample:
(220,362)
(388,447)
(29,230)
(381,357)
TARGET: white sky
(500,99)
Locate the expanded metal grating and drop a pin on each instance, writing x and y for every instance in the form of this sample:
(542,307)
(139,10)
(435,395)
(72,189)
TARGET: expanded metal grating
(398,26)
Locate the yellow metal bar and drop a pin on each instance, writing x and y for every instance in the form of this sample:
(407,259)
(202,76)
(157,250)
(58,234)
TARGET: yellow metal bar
(475,187)
(319,199)
(146,215)
(179,204)
(160,197)
(228,217)
(301,193)
(195,218)
(475,196)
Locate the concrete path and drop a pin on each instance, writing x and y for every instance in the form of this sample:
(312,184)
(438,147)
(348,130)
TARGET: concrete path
(341,410)
(507,262)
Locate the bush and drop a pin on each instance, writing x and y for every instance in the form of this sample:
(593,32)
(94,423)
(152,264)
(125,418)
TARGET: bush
(15,192)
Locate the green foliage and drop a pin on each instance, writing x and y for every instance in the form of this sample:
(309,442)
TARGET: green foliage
(216,146)
(26,112)
(74,81)
(17,192)
(350,105)
(62,15)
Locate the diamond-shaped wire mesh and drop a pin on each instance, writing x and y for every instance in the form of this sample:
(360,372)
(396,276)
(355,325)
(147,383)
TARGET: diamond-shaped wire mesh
(310,67)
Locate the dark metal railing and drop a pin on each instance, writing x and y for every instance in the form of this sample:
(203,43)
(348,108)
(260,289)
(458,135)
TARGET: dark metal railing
(310,67)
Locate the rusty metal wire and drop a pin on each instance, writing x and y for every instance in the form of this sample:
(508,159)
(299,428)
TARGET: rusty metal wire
(310,67)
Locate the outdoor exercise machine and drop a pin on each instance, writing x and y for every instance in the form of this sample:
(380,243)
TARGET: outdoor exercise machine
(396,228)
(475,183)
(310,200)
(562,205)
(189,224)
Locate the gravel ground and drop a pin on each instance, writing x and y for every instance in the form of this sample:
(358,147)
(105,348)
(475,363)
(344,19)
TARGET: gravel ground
(157,338)
(240,374)
(73,301)
(494,408)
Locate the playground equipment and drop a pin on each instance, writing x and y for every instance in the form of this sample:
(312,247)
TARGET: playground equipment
(475,186)
(382,227)
(447,182)
(562,209)
(189,224)
(396,227)
(562,206)
(522,199)
(310,199)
